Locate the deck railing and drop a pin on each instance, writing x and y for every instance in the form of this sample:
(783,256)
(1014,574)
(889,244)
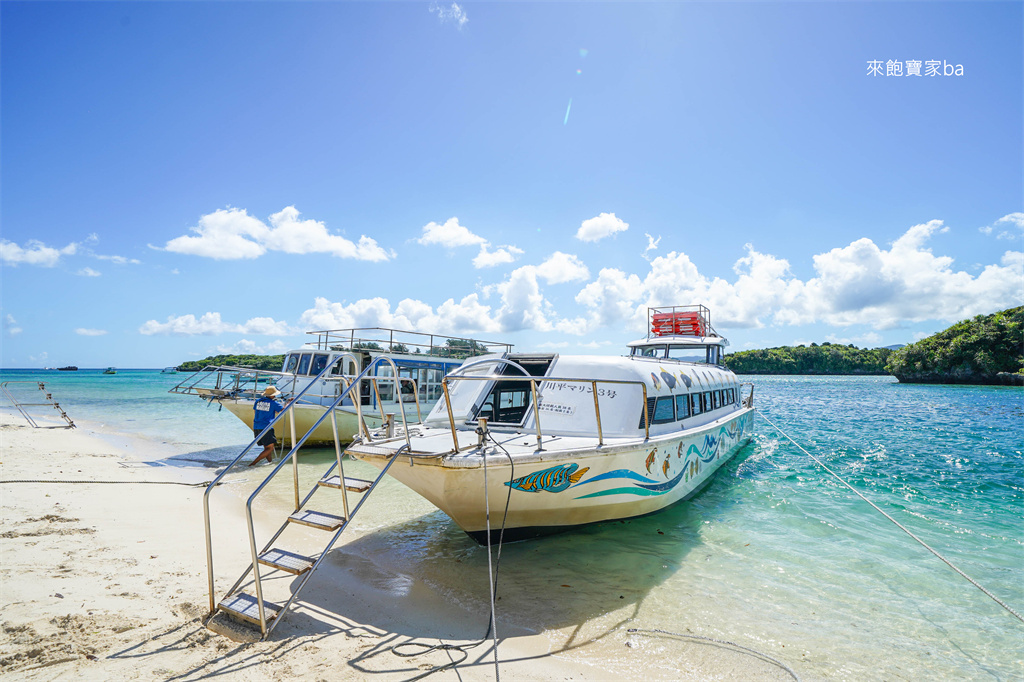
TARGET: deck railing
(457,376)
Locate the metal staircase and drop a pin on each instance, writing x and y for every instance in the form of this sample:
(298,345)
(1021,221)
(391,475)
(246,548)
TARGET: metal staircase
(254,608)
(50,402)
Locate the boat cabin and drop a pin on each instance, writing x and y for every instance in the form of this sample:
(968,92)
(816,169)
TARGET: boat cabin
(677,369)
(422,361)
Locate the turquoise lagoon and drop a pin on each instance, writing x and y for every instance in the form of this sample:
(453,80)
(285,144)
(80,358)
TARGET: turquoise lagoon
(774,554)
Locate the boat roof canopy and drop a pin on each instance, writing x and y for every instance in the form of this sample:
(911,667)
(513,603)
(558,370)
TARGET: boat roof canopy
(400,341)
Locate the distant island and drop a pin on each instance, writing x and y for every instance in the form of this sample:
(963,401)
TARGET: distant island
(987,349)
(827,358)
(270,362)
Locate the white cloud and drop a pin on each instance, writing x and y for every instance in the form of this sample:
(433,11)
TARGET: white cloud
(562,267)
(857,284)
(39,358)
(450,235)
(605,224)
(232,234)
(467,316)
(82,331)
(866,340)
(119,260)
(88,272)
(652,245)
(34,253)
(453,13)
(500,256)
(11,327)
(211,323)
(917,336)
(247,347)
(1016,219)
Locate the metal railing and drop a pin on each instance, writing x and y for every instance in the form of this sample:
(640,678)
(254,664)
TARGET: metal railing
(20,405)
(456,376)
(329,410)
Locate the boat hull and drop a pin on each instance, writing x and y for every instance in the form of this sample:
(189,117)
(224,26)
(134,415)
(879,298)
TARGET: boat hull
(551,490)
(305,417)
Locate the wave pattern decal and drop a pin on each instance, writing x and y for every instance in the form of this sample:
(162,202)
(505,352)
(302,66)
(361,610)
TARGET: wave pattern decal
(697,455)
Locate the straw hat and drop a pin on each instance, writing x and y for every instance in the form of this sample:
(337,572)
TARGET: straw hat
(271,391)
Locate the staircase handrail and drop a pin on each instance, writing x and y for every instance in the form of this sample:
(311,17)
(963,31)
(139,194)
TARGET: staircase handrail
(289,409)
(296,446)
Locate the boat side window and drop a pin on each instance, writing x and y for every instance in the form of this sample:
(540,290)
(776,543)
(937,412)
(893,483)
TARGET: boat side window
(429,384)
(408,383)
(707,401)
(685,353)
(664,411)
(651,405)
(649,351)
(682,406)
(318,364)
(290,363)
(304,363)
(716,398)
(696,404)
(386,387)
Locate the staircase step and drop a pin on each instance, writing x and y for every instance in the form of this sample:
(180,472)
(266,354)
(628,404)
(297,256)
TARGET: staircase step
(315,519)
(289,562)
(244,606)
(354,485)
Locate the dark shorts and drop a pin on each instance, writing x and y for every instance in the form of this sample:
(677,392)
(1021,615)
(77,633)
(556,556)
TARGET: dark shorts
(268,439)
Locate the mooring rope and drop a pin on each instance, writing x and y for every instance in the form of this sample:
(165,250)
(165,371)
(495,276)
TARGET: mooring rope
(760,654)
(898,524)
(51,480)
(421,648)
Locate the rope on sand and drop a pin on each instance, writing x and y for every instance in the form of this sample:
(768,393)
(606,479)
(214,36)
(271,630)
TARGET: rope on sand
(898,524)
(50,480)
(757,653)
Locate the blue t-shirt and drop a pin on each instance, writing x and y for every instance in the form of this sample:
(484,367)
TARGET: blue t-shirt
(265,410)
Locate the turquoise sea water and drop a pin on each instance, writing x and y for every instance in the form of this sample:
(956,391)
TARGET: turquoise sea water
(774,554)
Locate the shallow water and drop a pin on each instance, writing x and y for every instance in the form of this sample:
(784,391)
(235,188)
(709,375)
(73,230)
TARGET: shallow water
(775,554)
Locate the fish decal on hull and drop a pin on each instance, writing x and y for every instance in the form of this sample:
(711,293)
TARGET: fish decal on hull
(650,460)
(664,468)
(553,480)
(670,380)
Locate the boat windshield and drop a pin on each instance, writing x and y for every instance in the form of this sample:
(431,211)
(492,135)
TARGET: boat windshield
(709,354)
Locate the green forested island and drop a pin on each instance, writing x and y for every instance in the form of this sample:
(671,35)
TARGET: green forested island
(828,358)
(987,349)
(271,362)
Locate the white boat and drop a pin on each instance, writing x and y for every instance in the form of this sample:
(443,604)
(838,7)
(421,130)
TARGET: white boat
(169,370)
(568,440)
(321,370)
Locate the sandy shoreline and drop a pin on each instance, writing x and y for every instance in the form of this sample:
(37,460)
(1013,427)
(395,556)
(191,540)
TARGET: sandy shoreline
(108,581)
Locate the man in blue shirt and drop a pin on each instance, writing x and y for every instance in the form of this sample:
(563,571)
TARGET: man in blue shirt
(264,411)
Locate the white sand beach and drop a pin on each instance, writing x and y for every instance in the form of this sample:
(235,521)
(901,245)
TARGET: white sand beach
(108,581)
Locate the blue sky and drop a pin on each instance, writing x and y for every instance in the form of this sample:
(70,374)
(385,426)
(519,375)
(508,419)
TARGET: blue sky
(182,179)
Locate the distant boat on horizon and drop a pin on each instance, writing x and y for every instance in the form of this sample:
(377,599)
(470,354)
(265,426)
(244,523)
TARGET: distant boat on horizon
(69,368)
(110,370)
(169,370)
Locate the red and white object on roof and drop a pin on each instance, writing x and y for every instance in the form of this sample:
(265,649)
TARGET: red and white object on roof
(680,321)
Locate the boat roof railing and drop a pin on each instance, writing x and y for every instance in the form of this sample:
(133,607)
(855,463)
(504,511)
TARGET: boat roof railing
(400,341)
(679,320)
